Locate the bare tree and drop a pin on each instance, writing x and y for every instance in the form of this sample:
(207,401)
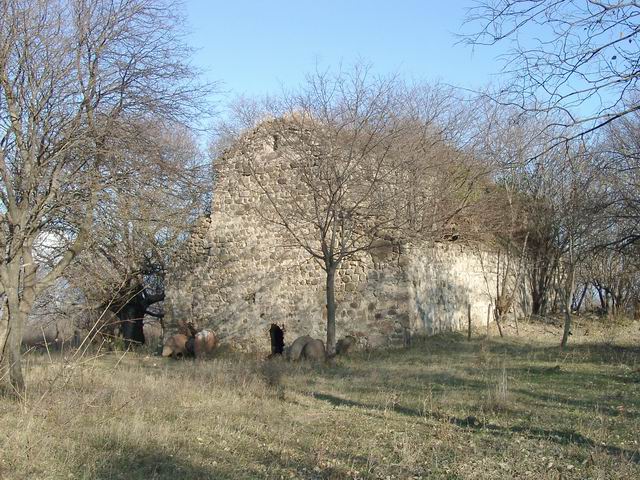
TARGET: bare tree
(551,205)
(507,237)
(575,59)
(621,149)
(134,236)
(572,188)
(369,164)
(503,144)
(76,78)
(614,274)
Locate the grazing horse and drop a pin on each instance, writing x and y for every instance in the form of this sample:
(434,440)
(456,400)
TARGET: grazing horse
(314,350)
(345,345)
(306,348)
(191,343)
(175,346)
(205,342)
(294,351)
(201,344)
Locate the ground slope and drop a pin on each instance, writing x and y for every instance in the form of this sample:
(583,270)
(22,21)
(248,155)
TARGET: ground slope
(445,408)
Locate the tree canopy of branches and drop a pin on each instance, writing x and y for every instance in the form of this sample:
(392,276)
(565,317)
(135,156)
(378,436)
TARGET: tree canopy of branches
(78,80)
(370,165)
(134,235)
(553,208)
(574,59)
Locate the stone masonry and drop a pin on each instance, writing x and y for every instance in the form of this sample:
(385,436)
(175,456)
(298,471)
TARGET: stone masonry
(239,273)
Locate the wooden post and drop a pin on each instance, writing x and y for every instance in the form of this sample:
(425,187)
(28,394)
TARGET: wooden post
(406,337)
(469,322)
(488,317)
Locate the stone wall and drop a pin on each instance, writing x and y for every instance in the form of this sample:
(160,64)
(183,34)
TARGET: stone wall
(240,273)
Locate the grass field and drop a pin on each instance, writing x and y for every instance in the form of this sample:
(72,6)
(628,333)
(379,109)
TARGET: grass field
(444,408)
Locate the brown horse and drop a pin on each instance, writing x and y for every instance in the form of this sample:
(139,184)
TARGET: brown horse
(201,344)
(175,346)
(205,343)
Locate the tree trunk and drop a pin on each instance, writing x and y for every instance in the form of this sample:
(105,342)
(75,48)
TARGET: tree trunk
(14,357)
(617,295)
(4,333)
(539,298)
(331,310)
(620,303)
(575,305)
(536,303)
(568,296)
(11,354)
(614,305)
(567,324)
(19,280)
(601,296)
(133,331)
(498,317)
(539,280)
(554,303)
(131,314)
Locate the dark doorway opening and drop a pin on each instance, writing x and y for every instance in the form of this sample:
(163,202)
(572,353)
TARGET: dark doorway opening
(277,339)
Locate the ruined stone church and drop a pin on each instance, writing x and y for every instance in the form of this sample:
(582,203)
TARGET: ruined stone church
(238,274)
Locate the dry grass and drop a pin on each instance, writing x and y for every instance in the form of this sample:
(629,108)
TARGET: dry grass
(446,408)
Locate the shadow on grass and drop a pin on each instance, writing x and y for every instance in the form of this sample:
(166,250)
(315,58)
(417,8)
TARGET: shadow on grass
(154,463)
(563,437)
(142,463)
(597,353)
(605,404)
(442,345)
(407,381)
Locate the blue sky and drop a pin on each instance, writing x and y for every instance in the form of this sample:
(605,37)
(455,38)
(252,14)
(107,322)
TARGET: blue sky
(254,47)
